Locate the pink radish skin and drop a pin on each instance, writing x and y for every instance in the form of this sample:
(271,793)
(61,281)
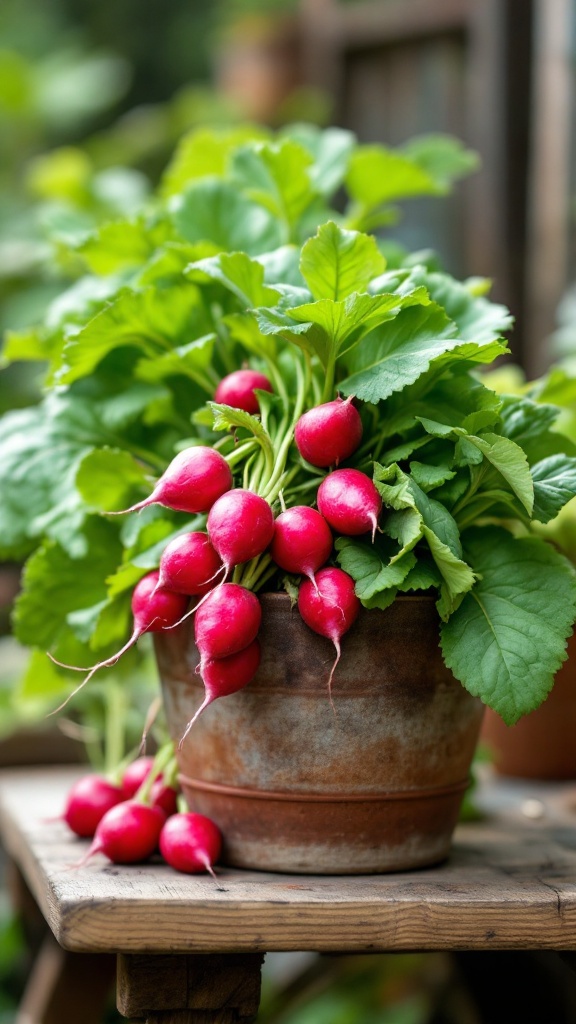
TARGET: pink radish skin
(134,775)
(329,433)
(88,801)
(350,502)
(224,676)
(189,564)
(127,834)
(237,390)
(190,843)
(331,609)
(240,526)
(302,541)
(193,481)
(153,609)
(165,797)
(227,621)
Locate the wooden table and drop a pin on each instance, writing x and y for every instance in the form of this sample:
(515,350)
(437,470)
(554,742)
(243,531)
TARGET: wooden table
(189,951)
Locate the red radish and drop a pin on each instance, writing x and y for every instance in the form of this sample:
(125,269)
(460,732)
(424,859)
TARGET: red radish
(227,621)
(191,483)
(331,609)
(189,564)
(223,676)
(134,775)
(163,796)
(190,843)
(237,390)
(329,433)
(127,834)
(88,801)
(350,502)
(240,526)
(302,540)
(153,609)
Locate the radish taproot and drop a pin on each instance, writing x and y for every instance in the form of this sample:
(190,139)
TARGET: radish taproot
(224,676)
(127,834)
(238,390)
(190,843)
(302,541)
(350,502)
(240,526)
(195,478)
(153,609)
(189,564)
(327,434)
(330,608)
(227,621)
(87,802)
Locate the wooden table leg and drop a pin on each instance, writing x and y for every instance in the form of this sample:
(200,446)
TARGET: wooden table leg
(190,989)
(66,987)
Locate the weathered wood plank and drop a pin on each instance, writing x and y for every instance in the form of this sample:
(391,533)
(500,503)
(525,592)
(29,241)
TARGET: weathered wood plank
(510,883)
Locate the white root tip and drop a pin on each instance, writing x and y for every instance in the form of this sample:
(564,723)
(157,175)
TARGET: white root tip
(374,522)
(207,700)
(101,664)
(151,500)
(336,643)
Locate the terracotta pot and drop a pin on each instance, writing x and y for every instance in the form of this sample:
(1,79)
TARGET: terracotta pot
(542,745)
(375,785)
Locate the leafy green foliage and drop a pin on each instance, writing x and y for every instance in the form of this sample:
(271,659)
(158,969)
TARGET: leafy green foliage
(244,257)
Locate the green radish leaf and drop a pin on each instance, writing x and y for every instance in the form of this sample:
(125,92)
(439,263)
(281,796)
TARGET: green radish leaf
(191,360)
(443,157)
(237,272)
(214,211)
(228,418)
(399,353)
(378,175)
(55,586)
(507,639)
(108,478)
(205,152)
(421,577)
(276,176)
(428,477)
(336,263)
(554,485)
(510,461)
(117,245)
(370,567)
(151,320)
(477,319)
(330,149)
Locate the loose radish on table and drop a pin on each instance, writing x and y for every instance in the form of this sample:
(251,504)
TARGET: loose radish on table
(127,833)
(189,564)
(330,608)
(134,775)
(240,526)
(87,802)
(224,676)
(193,481)
(329,433)
(190,843)
(302,541)
(153,609)
(350,502)
(238,390)
(227,621)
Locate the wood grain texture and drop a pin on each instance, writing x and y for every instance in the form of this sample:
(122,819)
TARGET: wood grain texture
(509,883)
(204,983)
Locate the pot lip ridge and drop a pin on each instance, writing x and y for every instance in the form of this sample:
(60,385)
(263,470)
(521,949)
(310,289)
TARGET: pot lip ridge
(279,595)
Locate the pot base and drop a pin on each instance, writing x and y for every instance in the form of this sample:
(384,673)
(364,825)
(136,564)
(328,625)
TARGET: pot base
(309,833)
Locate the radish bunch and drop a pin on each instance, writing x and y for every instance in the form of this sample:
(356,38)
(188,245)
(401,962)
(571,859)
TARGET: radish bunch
(251,536)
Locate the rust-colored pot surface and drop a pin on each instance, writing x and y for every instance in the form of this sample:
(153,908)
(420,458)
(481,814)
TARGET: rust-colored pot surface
(541,745)
(373,785)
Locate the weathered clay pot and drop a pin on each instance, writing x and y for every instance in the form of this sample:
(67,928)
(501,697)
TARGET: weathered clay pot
(372,786)
(541,745)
